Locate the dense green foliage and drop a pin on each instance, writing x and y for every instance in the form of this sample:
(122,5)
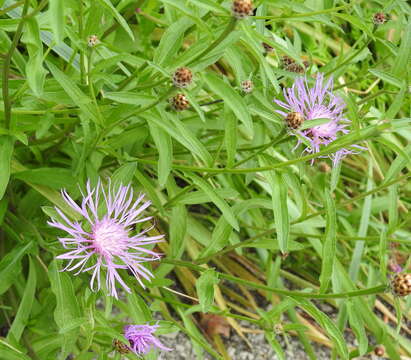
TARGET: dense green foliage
(248,219)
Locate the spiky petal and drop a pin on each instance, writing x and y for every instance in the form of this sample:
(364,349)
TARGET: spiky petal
(102,240)
(141,338)
(317,102)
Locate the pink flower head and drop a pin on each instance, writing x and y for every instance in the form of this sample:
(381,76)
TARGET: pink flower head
(317,102)
(141,338)
(101,241)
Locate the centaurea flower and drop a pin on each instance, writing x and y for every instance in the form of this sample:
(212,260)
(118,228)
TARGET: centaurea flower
(102,240)
(317,102)
(141,338)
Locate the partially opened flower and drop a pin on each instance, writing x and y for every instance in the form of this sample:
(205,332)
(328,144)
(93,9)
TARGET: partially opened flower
(102,241)
(317,102)
(141,338)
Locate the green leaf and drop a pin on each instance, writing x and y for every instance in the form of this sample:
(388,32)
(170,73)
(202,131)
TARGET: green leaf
(357,324)
(279,195)
(170,42)
(124,174)
(179,131)
(6,152)
(391,79)
(314,122)
(8,352)
(401,61)
(330,243)
(230,136)
(327,324)
(56,178)
(233,100)
(57,19)
(23,313)
(178,227)
(67,310)
(395,107)
(35,72)
(216,199)
(10,265)
(205,289)
(113,11)
(74,92)
(165,152)
(129,97)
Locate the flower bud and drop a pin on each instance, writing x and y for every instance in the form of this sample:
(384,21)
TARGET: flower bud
(379,18)
(401,284)
(242,8)
(179,102)
(93,40)
(182,77)
(120,347)
(247,86)
(294,120)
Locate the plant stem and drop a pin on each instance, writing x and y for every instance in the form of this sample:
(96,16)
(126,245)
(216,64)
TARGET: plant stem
(6,66)
(298,294)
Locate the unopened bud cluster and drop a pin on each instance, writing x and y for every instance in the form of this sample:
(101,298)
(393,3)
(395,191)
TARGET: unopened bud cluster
(182,77)
(379,18)
(247,86)
(179,102)
(242,8)
(401,284)
(294,120)
(93,40)
(291,65)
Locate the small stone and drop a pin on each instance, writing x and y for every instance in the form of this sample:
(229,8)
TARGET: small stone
(401,284)
(379,350)
(179,102)
(247,86)
(294,120)
(182,77)
(93,40)
(242,8)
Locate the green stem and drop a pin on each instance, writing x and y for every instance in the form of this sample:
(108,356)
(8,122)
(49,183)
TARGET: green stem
(318,213)
(328,150)
(81,34)
(298,294)
(230,27)
(7,63)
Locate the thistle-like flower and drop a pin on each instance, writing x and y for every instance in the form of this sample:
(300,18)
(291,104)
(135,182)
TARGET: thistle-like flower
(317,102)
(141,338)
(102,240)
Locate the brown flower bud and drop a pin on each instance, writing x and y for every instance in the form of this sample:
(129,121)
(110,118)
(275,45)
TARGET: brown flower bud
(179,102)
(120,347)
(182,77)
(93,40)
(379,18)
(247,86)
(294,120)
(401,284)
(242,8)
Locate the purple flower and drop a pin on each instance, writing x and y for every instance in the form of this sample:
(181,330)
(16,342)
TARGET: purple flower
(101,241)
(317,102)
(141,338)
